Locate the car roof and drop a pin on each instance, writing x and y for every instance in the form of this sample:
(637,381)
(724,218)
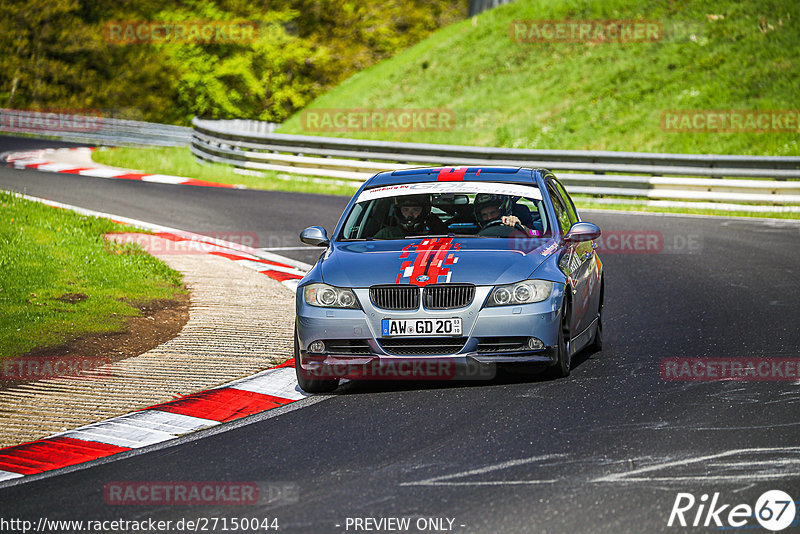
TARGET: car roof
(519,175)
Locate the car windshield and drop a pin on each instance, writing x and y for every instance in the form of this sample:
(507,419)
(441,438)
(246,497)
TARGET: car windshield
(463,209)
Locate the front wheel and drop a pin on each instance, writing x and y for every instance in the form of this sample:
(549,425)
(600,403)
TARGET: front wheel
(308,384)
(564,361)
(597,342)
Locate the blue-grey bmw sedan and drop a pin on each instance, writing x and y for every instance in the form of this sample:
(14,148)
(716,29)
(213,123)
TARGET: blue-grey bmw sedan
(453,266)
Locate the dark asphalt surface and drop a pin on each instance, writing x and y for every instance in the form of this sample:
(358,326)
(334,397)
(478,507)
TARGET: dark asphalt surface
(606,450)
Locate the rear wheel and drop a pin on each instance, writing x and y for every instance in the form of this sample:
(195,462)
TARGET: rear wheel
(564,361)
(308,384)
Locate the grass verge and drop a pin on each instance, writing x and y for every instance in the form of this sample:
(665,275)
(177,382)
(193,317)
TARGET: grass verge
(179,161)
(61,279)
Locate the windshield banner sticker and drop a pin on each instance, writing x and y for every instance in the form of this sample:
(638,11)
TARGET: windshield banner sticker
(451,187)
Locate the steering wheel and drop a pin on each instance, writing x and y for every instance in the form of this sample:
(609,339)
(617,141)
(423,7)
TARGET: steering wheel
(492,223)
(496,222)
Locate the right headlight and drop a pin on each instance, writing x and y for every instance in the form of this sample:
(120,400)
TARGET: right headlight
(524,292)
(326,296)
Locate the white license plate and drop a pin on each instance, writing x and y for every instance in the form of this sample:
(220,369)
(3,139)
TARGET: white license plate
(450,326)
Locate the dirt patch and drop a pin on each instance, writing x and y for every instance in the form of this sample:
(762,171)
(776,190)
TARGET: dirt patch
(72,298)
(161,320)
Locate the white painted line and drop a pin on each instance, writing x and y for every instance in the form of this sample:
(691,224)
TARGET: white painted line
(265,255)
(118,432)
(139,429)
(15,156)
(164,179)
(57,167)
(23,163)
(444,480)
(8,475)
(258,266)
(102,173)
(267,249)
(749,465)
(173,423)
(486,483)
(751,476)
(280,382)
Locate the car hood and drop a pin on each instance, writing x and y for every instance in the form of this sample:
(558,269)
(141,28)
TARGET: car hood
(424,261)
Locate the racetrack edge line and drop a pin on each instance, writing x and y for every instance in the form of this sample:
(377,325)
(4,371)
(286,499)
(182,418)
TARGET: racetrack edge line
(180,440)
(275,390)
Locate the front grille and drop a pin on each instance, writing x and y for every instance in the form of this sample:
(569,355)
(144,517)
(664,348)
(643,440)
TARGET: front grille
(419,346)
(502,344)
(448,296)
(347,347)
(395,297)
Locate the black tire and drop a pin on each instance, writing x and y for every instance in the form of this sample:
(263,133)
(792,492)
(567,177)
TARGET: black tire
(564,361)
(311,385)
(597,342)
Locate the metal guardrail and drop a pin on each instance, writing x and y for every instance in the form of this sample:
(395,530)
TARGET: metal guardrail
(479,6)
(92,129)
(254,146)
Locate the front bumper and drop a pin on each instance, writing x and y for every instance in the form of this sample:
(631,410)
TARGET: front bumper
(353,337)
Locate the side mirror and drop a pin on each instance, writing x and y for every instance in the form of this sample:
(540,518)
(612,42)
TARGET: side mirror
(316,236)
(582,231)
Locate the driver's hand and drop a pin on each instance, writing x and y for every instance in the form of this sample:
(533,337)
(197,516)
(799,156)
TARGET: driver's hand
(510,220)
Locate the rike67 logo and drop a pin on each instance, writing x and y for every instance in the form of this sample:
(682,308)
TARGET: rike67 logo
(774,510)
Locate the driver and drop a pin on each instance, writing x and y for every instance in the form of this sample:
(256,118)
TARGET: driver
(412,216)
(489,210)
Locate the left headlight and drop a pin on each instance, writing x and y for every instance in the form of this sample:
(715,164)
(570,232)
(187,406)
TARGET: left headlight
(524,292)
(326,296)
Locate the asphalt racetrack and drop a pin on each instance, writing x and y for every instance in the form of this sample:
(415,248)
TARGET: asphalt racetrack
(608,449)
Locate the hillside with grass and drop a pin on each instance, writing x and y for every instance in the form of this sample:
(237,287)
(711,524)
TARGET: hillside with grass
(724,55)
